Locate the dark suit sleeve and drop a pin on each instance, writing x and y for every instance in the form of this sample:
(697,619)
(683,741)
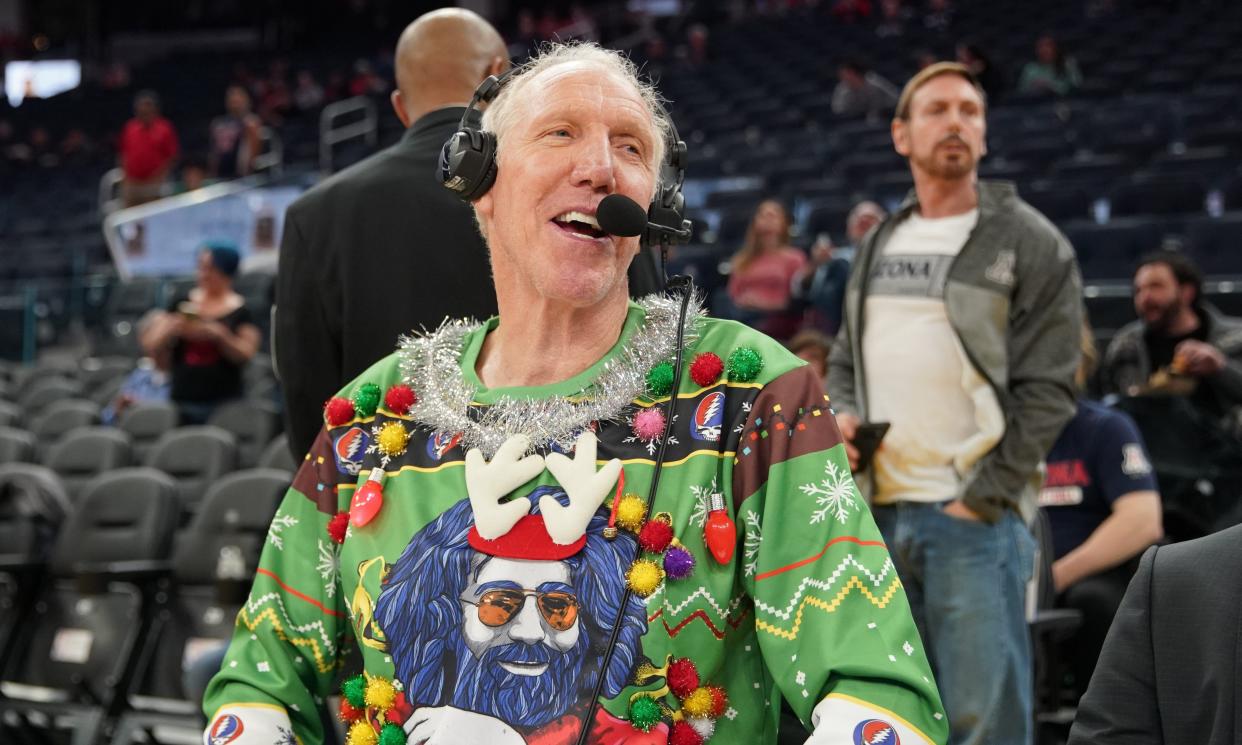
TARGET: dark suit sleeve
(1120,706)
(306,337)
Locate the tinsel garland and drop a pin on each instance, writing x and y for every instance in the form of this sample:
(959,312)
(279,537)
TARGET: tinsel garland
(431,365)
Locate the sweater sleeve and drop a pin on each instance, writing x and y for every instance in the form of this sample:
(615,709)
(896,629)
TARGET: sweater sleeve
(834,626)
(287,641)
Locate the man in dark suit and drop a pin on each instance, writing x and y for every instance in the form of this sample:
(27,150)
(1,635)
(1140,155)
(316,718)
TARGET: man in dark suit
(1168,672)
(382,248)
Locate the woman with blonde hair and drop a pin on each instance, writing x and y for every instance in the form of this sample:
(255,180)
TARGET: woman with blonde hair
(763,271)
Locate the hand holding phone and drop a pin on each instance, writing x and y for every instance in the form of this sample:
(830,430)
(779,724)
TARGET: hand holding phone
(867,438)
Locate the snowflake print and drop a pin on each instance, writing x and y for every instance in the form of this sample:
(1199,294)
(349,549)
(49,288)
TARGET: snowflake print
(279,524)
(702,502)
(754,537)
(329,565)
(742,424)
(834,494)
(285,737)
(654,443)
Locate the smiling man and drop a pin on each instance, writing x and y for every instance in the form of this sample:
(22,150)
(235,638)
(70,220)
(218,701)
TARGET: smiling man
(482,509)
(961,331)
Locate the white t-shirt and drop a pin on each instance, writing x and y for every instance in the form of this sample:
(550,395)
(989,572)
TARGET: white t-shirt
(943,413)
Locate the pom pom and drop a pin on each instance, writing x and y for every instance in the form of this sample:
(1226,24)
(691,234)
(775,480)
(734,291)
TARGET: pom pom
(391,734)
(684,734)
(338,411)
(380,694)
(704,726)
(698,703)
(649,424)
(683,677)
(349,713)
(361,733)
(660,379)
(706,369)
(744,365)
(354,691)
(644,576)
(337,526)
(678,562)
(398,400)
(720,701)
(655,537)
(631,512)
(392,439)
(366,399)
(645,713)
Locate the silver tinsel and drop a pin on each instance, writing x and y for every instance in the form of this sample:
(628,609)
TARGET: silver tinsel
(431,365)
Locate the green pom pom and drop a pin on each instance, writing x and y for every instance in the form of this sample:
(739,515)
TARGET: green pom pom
(366,399)
(354,691)
(660,379)
(744,365)
(391,734)
(645,713)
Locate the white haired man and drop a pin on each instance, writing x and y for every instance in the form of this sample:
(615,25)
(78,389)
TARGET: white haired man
(482,503)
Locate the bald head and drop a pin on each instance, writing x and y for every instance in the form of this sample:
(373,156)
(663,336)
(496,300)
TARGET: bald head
(441,58)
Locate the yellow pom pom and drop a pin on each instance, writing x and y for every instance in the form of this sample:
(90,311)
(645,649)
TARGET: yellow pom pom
(361,733)
(392,439)
(380,694)
(698,704)
(644,577)
(631,512)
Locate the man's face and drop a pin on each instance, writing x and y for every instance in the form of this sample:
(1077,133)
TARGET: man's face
(863,221)
(1158,298)
(579,134)
(944,136)
(237,101)
(528,626)
(144,109)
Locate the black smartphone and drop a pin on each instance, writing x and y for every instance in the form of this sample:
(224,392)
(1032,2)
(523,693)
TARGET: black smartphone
(867,440)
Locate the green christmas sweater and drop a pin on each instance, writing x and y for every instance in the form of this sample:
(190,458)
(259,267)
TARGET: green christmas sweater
(498,562)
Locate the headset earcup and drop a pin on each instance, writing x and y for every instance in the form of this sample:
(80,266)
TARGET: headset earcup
(487,171)
(468,163)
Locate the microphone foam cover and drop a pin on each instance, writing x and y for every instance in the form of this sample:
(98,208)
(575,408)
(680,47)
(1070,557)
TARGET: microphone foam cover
(619,215)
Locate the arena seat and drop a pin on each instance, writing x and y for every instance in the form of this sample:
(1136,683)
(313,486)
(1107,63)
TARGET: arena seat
(16,445)
(195,457)
(1146,195)
(145,422)
(276,455)
(252,423)
(61,416)
(45,391)
(84,453)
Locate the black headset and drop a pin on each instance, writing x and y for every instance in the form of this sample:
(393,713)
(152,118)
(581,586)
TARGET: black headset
(468,165)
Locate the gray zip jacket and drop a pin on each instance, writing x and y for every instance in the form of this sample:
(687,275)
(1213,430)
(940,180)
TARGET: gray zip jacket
(1014,298)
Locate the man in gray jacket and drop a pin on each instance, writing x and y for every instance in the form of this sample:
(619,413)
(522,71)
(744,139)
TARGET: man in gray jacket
(962,320)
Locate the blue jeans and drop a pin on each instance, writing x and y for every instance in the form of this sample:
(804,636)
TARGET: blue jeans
(966,582)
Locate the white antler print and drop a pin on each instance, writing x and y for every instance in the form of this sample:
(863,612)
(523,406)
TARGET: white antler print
(586,487)
(488,483)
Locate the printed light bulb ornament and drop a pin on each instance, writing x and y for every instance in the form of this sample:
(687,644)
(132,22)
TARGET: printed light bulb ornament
(368,499)
(720,532)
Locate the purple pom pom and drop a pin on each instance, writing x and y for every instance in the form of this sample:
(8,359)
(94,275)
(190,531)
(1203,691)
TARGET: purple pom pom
(678,563)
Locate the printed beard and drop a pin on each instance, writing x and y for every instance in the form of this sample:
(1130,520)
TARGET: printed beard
(527,701)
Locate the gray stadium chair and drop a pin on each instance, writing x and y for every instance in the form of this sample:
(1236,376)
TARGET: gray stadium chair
(60,417)
(86,452)
(40,394)
(16,445)
(195,457)
(145,423)
(277,455)
(253,423)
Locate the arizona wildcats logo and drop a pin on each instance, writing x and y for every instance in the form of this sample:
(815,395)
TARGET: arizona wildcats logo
(709,417)
(224,730)
(350,448)
(440,443)
(875,732)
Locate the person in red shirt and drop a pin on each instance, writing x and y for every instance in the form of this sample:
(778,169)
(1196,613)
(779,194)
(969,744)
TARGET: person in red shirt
(148,148)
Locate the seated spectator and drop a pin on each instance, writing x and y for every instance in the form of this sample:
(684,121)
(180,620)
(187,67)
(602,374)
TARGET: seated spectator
(148,148)
(146,382)
(1051,71)
(991,77)
(862,93)
(1103,506)
(308,95)
(821,283)
(209,336)
(894,16)
(814,347)
(762,272)
(193,174)
(234,137)
(1180,345)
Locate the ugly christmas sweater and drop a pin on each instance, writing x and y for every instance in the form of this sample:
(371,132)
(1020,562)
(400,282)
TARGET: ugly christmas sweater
(499,563)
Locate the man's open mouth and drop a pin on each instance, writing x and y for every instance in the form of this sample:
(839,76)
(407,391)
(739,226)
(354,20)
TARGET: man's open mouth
(524,668)
(579,224)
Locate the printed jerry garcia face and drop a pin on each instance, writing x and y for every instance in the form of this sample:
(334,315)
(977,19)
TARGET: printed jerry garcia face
(546,613)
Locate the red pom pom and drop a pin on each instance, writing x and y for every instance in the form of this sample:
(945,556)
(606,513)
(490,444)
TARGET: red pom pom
(684,734)
(338,525)
(720,701)
(706,369)
(338,411)
(683,677)
(349,713)
(399,399)
(655,536)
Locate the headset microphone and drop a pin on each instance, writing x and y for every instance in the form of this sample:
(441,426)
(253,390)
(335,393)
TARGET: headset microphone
(619,215)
